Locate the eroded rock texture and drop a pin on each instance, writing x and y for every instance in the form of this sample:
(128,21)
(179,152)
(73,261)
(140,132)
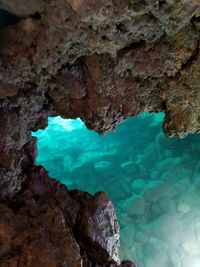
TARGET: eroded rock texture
(101,61)
(45,225)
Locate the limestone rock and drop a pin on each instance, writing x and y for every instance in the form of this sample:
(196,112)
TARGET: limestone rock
(99,229)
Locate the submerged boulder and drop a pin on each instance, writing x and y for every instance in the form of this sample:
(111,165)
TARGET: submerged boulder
(129,167)
(138,185)
(106,168)
(134,205)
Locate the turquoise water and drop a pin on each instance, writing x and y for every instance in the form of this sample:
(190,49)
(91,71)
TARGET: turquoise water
(153,182)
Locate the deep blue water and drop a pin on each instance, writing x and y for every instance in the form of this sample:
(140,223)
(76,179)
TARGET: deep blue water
(153,182)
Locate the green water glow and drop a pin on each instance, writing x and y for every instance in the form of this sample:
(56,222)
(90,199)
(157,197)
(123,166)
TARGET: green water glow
(153,182)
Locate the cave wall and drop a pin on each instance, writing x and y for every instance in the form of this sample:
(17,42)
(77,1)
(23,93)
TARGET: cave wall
(102,61)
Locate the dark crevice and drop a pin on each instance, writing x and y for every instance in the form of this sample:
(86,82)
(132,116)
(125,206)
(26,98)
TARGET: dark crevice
(161,4)
(196,23)
(163,105)
(130,47)
(7,19)
(36,16)
(121,27)
(104,38)
(197,19)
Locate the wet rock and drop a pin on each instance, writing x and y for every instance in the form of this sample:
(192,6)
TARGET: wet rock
(127,236)
(138,185)
(183,207)
(156,190)
(129,167)
(98,228)
(104,167)
(82,168)
(134,205)
(123,218)
(141,237)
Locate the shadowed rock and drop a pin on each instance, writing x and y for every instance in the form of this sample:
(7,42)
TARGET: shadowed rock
(47,225)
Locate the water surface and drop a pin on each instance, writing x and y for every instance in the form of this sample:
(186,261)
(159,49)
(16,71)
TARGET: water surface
(153,181)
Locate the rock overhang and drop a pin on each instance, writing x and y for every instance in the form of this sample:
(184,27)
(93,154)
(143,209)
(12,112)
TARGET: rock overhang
(102,61)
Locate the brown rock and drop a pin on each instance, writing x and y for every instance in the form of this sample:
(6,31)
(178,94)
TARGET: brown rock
(35,235)
(43,225)
(98,229)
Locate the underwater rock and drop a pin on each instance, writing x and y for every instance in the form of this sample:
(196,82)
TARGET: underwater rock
(155,190)
(168,163)
(167,176)
(183,184)
(84,169)
(155,175)
(183,207)
(153,253)
(129,167)
(170,220)
(104,167)
(141,237)
(138,185)
(123,218)
(118,190)
(127,236)
(134,205)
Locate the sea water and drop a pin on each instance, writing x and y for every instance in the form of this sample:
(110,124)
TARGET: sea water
(153,182)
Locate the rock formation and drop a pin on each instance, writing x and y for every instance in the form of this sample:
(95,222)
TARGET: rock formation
(45,225)
(101,61)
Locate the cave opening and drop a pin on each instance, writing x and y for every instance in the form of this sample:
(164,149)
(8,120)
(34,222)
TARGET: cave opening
(153,182)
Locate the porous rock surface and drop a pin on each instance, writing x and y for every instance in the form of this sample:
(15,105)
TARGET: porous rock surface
(44,226)
(101,61)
